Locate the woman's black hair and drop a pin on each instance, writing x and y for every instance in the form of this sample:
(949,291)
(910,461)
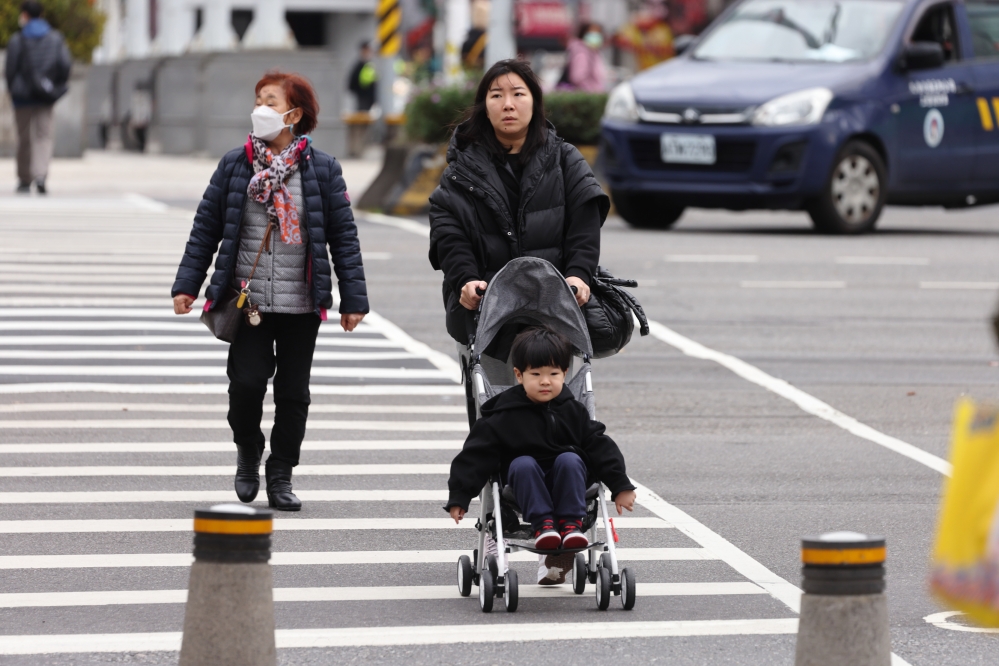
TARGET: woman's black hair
(540,346)
(475,127)
(586,26)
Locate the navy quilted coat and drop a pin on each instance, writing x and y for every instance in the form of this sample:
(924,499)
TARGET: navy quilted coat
(329,221)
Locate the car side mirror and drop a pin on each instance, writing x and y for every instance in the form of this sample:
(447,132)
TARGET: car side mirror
(683,42)
(921,55)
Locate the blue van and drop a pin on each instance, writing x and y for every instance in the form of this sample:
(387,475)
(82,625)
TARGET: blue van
(836,107)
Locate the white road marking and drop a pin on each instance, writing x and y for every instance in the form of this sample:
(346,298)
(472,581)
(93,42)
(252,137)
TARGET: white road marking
(214,496)
(503,632)
(184,340)
(222,424)
(219,470)
(182,356)
(806,402)
(221,388)
(989,286)
(319,558)
(85,301)
(84,289)
(793,284)
(343,594)
(447,365)
(145,203)
(884,261)
(175,408)
(206,371)
(229,447)
(943,621)
(412,226)
(712,258)
(123,525)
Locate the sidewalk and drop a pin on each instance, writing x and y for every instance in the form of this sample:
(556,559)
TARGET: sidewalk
(175,180)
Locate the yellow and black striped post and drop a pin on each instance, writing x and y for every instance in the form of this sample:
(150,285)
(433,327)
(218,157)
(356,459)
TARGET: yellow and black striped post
(229,617)
(389,15)
(844,610)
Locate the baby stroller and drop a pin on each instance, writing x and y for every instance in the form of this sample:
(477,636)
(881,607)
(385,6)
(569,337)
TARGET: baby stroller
(530,292)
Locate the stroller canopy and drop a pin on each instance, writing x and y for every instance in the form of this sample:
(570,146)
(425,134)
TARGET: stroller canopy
(531,291)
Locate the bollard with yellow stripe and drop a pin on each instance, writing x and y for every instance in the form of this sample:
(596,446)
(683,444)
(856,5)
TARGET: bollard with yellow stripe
(229,616)
(844,610)
(389,15)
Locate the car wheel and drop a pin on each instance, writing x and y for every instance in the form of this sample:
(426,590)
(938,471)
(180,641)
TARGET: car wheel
(854,193)
(646,211)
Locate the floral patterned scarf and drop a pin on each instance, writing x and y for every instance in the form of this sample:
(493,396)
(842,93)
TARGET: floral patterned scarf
(268,186)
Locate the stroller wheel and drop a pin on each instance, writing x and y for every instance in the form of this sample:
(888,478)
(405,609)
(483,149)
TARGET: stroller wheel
(511,594)
(486,591)
(605,561)
(627,589)
(603,588)
(492,565)
(579,574)
(464,576)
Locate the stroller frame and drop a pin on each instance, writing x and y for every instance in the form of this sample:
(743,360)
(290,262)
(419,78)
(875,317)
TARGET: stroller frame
(596,563)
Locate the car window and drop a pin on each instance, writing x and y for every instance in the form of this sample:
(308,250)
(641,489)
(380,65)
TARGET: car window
(984,20)
(937,25)
(802,30)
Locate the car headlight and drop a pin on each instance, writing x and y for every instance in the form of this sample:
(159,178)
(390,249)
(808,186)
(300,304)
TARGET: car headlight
(621,104)
(805,107)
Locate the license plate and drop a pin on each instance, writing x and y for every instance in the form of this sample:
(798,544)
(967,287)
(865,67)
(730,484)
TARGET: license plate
(688,148)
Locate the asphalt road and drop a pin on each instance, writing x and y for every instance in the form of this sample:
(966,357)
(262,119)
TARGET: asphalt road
(889,329)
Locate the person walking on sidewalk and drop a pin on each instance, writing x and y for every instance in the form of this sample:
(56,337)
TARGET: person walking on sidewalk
(37,71)
(364,79)
(275,205)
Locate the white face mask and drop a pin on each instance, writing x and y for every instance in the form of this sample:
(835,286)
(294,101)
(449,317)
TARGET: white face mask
(268,123)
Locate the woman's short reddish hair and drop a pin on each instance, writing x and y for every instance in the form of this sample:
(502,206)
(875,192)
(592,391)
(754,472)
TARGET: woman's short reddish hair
(300,95)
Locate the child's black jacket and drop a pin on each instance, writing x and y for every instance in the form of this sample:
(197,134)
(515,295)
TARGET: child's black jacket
(512,426)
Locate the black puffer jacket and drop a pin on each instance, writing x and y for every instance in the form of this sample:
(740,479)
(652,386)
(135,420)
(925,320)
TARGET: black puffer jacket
(473,232)
(328,221)
(512,426)
(39,51)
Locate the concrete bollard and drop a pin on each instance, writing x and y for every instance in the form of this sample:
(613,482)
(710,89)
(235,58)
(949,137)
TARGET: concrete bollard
(844,610)
(229,618)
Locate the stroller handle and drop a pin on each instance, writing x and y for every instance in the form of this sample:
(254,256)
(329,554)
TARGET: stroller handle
(575,290)
(480,292)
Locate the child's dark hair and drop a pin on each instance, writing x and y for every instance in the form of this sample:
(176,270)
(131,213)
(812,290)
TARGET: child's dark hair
(541,346)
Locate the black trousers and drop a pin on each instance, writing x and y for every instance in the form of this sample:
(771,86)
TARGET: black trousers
(285,342)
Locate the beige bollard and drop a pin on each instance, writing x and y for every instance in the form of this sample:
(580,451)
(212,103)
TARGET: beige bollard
(229,618)
(844,610)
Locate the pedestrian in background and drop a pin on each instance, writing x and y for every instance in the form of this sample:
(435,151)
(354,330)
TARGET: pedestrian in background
(37,71)
(512,188)
(584,67)
(364,79)
(274,205)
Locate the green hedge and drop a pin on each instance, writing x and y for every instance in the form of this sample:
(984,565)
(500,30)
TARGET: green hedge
(80,22)
(432,113)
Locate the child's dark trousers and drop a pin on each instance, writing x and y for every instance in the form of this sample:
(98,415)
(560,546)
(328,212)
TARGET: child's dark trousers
(558,492)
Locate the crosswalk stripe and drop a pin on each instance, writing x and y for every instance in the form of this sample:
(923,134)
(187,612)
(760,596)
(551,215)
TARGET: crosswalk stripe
(229,447)
(182,423)
(186,355)
(142,313)
(280,524)
(122,289)
(219,470)
(206,371)
(316,558)
(381,636)
(320,408)
(186,340)
(221,388)
(214,496)
(344,594)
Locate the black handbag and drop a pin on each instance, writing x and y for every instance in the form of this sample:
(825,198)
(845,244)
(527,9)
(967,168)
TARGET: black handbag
(608,314)
(225,318)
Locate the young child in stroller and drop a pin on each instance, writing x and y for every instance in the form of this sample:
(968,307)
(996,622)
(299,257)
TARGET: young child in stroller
(544,444)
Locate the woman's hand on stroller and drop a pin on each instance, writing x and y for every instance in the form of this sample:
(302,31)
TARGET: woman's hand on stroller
(457,513)
(470,298)
(582,289)
(623,500)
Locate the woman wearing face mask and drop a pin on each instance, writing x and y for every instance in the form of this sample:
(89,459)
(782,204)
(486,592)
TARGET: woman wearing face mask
(275,204)
(585,69)
(512,188)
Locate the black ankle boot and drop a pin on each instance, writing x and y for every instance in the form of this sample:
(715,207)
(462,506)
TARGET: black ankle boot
(247,473)
(279,495)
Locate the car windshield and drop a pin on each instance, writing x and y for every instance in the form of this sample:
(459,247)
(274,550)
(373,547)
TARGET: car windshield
(802,30)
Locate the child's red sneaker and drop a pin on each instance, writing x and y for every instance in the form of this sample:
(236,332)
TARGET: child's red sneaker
(545,536)
(572,534)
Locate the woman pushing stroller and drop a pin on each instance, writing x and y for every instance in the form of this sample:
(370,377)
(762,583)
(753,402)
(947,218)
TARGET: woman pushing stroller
(545,445)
